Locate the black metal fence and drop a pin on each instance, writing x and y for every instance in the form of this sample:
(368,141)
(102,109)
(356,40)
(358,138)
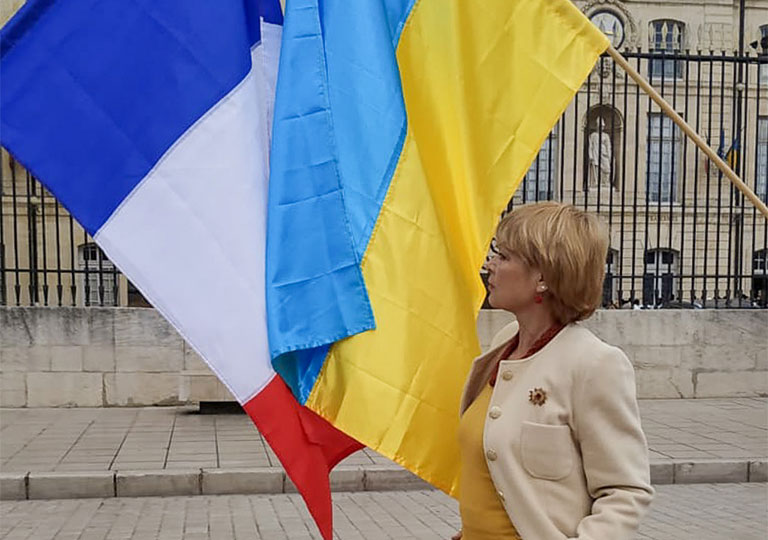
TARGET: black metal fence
(681,236)
(46,258)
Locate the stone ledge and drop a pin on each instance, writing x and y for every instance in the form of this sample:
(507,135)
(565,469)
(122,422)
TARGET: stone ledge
(242,481)
(390,479)
(348,479)
(714,471)
(341,479)
(758,470)
(13,486)
(272,480)
(662,473)
(158,483)
(71,485)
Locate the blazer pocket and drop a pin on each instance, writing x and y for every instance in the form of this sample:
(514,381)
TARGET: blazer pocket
(546,450)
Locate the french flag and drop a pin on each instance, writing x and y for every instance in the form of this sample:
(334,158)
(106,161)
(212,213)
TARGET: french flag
(150,121)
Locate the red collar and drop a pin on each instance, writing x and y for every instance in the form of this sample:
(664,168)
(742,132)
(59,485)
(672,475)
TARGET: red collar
(540,343)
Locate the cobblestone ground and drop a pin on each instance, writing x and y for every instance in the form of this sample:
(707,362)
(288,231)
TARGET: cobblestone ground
(687,512)
(98,439)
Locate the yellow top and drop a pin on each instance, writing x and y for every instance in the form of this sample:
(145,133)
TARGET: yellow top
(483,516)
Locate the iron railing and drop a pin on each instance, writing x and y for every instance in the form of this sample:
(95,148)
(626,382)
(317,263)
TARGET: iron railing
(681,236)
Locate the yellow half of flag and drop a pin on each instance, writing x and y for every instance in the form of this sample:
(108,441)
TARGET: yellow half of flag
(484,82)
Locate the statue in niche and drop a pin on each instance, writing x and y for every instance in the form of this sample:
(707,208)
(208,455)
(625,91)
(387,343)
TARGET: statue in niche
(600,157)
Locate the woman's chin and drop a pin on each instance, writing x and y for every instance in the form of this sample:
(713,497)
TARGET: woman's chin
(498,303)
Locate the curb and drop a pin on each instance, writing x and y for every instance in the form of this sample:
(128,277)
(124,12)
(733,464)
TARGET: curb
(271,480)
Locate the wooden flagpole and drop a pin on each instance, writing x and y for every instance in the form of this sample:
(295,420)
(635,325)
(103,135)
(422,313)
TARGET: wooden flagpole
(688,130)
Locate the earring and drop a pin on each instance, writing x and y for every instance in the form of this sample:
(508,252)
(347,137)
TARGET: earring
(538,299)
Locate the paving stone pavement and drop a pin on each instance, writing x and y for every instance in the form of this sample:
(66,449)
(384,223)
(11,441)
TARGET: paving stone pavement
(101,439)
(700,512)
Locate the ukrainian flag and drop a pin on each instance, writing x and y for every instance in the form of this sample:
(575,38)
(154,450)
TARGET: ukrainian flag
(401,130)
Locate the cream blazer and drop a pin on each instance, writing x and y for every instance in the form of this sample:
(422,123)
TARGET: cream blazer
(572,461)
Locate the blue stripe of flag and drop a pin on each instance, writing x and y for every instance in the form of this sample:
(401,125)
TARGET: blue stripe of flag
(339,127)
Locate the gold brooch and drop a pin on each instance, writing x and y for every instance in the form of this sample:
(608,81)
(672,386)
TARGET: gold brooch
(537,396)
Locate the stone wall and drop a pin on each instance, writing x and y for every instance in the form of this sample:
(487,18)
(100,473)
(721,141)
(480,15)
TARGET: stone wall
(87,357)
(680,353)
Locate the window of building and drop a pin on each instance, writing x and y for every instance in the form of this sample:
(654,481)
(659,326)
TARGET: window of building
(97,271)
(664,140)
(539,181)
(759,259)
(611,260)
(660,276)
(761,155)
(760,277)
(3,293)
(135,298)
(667,37)
(764,54)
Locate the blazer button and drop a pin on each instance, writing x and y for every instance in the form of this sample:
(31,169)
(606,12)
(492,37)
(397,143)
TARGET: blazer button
(501,495)
(491,455)
(507,375)
(495,412)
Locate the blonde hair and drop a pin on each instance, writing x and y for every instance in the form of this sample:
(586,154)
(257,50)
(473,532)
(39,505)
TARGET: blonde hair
(568,246)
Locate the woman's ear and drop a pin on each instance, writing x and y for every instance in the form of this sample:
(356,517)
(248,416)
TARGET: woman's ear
(541,285)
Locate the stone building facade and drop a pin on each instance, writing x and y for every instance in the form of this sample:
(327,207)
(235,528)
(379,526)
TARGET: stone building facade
(678,233)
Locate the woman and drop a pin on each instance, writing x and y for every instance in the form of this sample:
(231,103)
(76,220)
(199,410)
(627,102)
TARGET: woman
(550,433)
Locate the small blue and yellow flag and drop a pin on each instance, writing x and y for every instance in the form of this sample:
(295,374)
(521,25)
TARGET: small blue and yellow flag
(732,156)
